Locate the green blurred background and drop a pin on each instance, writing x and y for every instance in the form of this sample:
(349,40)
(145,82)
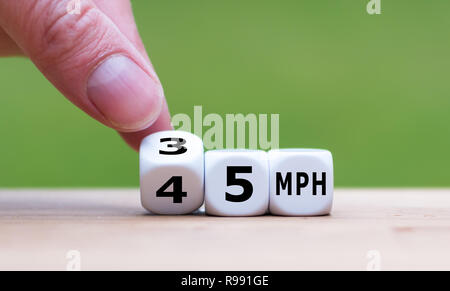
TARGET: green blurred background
(373,89)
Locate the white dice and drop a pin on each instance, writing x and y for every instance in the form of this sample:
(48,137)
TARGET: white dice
(177,177)
(236,182)
(172,172)
(301,182)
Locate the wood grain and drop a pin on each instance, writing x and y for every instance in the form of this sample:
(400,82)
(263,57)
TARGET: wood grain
(410,228)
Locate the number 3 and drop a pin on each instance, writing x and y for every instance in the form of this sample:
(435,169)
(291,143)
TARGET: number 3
(179,142)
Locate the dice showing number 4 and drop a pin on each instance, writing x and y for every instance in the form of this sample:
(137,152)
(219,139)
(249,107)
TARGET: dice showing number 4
(171,170)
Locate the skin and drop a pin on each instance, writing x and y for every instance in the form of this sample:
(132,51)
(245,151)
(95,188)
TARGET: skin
(37,29)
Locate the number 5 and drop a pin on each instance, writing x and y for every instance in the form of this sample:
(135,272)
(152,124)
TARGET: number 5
(247,187)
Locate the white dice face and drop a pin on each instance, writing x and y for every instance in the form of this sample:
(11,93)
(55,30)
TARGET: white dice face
(236,182)
(301,182)
(172,172)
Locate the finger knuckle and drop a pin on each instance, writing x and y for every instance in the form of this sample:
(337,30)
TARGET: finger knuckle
(65,36)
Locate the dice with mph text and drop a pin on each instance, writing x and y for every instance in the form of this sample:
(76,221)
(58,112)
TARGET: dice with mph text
(301,182)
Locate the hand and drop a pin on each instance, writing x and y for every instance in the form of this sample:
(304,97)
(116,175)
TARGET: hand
(95,58)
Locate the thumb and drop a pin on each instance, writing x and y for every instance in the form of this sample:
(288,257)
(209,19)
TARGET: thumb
(88,59)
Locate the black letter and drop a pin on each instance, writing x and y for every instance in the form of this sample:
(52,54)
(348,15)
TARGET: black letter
(300,185)
(321,183)
(285,183)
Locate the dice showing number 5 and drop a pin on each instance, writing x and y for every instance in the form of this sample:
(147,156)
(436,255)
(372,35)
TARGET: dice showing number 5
(237,182)
(172,172)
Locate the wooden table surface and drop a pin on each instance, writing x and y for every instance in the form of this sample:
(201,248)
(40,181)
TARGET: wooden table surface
(406,228)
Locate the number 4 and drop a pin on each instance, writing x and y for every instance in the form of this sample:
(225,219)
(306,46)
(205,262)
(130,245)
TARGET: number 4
(177,193)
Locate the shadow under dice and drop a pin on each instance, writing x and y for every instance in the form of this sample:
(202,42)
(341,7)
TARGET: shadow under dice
(301,182)
(172,172)
(236,182)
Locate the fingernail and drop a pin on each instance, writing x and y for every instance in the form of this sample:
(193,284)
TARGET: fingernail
(126,95)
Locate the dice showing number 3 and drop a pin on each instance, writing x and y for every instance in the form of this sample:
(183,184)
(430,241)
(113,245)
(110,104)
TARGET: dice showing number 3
(172,172)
